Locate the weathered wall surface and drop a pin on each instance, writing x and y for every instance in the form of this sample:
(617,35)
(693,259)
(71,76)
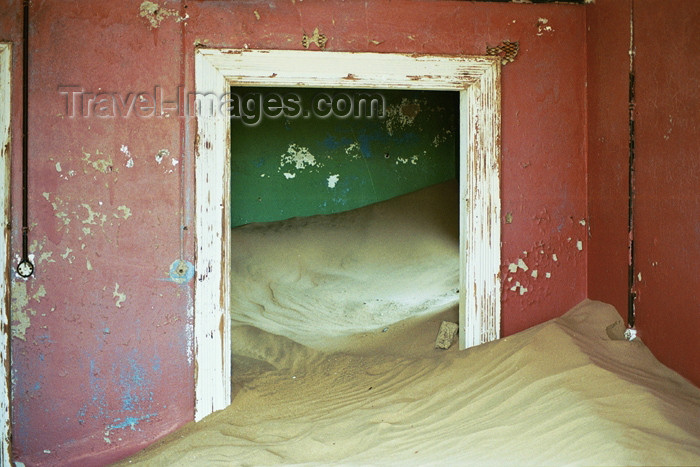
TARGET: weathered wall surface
(667,162)
(102,355)
(608,38)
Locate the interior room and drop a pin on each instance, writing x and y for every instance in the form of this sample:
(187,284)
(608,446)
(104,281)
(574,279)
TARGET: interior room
(209,259)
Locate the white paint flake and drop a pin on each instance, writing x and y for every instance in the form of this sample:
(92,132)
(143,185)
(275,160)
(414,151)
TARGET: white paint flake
(579,245)
(288,176)
(554,257)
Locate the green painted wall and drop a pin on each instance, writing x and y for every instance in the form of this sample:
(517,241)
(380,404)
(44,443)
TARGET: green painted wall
(300,164)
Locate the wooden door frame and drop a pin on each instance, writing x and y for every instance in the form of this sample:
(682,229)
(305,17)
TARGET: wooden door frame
(5,168)
(476,78)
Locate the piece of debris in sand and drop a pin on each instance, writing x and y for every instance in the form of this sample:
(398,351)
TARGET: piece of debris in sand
(446,335)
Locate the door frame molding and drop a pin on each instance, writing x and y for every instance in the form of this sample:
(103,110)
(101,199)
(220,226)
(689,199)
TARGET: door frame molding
(5,209)
(476,78)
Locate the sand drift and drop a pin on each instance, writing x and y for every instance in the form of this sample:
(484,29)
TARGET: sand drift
(317,277)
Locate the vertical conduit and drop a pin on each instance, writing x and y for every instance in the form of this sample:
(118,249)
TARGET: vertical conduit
(25,268)
(630,212)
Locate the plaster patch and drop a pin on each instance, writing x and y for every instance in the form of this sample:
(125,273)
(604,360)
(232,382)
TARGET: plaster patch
(121,297)
(333,180)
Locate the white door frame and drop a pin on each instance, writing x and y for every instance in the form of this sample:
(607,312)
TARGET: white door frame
(478,81)
(5,150)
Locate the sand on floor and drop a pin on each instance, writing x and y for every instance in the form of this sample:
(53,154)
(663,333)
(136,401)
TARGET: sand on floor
(335,379)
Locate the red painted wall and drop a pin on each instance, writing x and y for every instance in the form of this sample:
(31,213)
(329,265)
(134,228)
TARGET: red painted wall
(667,143)
(102,353)
(667,207)
(608,39)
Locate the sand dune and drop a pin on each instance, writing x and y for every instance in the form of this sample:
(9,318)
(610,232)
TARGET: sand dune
(334,379)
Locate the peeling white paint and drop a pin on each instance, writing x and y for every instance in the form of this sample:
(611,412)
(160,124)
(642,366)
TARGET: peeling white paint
(512,267)
(534,273)
(554,257)
(579,245)
(58,166)
(333,180)
(289,176)
(582,222)
(639,276)
(547,275)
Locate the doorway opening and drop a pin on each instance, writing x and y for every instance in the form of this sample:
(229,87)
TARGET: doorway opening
(477,79)
(344,212)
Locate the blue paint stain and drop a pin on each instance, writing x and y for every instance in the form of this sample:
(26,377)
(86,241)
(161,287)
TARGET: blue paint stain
(155,364)
(130,422)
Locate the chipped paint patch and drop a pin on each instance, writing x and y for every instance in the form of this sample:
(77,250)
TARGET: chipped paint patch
(104,165)
(298,157)
(522,265)
(579,245)
(333,180)
(402,115)
(289,176)
(125,150)
(543,27)
(124,212)
(155,14)
(120,296)
(21,315)
(162,154)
